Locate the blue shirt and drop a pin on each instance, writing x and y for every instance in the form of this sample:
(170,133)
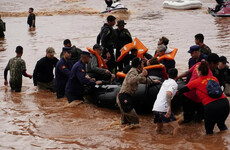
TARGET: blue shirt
(62,72)
(77,79)
(193,61)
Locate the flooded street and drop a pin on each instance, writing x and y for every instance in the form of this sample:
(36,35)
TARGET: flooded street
(37,120)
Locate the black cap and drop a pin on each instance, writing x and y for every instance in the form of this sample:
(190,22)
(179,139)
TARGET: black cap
(85,53)
(97,46)
(223,59)
(66,49)
(194,48)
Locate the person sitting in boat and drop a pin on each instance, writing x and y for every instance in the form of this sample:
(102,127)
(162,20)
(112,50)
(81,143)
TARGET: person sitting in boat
(124,100)
(109,3)
(199,40)
(161,49)
(219,6)
(97,67)
(155,71)
(165,41)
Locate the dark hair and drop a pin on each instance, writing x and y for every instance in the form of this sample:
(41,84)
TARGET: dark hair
(136,62)
(164,40)
(172,73)
(133,50)
(203,68)
(19,50)
(31,8)
(154,61)
(199,37)
(111,18)
(213,57)
(66,41)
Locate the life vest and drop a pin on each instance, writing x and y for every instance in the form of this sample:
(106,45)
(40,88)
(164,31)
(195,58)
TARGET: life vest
(121,75)
(100,60)
(169,56)
(136,44)
(160,66)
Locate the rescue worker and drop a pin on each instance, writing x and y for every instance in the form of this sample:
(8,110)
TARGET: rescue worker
(17,67)
(199,40)
(43,73)
(62,72)
(196,56)
(96,70)
(124,99)
(123,37)
(2,28)
(77,80)
(107,39)
(31,18)
(75,52)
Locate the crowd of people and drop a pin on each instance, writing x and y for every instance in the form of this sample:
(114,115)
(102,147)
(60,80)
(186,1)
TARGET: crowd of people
(78,70)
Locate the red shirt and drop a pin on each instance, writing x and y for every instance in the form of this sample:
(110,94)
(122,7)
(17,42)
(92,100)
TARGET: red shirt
(199,85)
(194,75)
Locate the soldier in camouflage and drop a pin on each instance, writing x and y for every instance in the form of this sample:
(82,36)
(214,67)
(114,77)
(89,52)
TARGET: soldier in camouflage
(17,67)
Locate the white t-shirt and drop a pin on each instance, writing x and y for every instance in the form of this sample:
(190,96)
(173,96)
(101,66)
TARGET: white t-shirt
(161,104)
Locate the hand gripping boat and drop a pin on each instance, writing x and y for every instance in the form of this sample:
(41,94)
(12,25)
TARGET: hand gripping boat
(224,11)
(182,4)
(116,6)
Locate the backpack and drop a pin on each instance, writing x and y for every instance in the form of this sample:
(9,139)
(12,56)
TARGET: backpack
(214,89)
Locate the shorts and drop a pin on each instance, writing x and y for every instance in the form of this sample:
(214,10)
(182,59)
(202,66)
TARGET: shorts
(159,117)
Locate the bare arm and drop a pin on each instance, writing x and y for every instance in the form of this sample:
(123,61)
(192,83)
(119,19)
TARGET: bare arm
(169,98)
(185,74)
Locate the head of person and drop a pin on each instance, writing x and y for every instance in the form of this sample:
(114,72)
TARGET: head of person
(194,51)
(163,40)
(134,52)
(213,60)
(222,62)
(199,38)
(19,50)
(203,69)
(66,51)
(67,43)
(172,73)
(50,52)
(98,48)
(85,57)
(137,63)
(121,24)
(31,10)
(111,20)
(161,49)
(153,61)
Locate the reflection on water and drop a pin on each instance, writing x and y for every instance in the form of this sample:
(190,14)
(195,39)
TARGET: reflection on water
(37,120)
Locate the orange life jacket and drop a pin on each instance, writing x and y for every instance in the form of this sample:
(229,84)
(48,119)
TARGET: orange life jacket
(100,60)
(136,44)
(160,66)
(169,56)
(121,75)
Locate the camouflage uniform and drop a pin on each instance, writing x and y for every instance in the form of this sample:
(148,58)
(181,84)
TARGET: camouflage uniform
(16,66)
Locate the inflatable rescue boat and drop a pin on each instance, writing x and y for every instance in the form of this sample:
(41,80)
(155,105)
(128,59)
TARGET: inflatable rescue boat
(223,12)
(183,4)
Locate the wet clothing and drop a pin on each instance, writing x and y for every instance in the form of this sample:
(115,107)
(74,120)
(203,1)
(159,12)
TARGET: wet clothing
(17,67)
(204,49)
(94,71)
(107,39)
(76,82)
(43,71)
(2,29)
(159,117)
(193,61)
(30,19)
(123,37)
(75,54)
(168,64)
(216,112)
(62,73)
(127,116)
(46,86)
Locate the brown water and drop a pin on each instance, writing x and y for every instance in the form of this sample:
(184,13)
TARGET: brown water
(36,120)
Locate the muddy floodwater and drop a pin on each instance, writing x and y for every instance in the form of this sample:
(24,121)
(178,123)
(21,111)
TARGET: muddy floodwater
(37,120)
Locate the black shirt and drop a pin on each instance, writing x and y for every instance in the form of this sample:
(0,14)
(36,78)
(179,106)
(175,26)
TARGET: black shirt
(30,19)
(43,71)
